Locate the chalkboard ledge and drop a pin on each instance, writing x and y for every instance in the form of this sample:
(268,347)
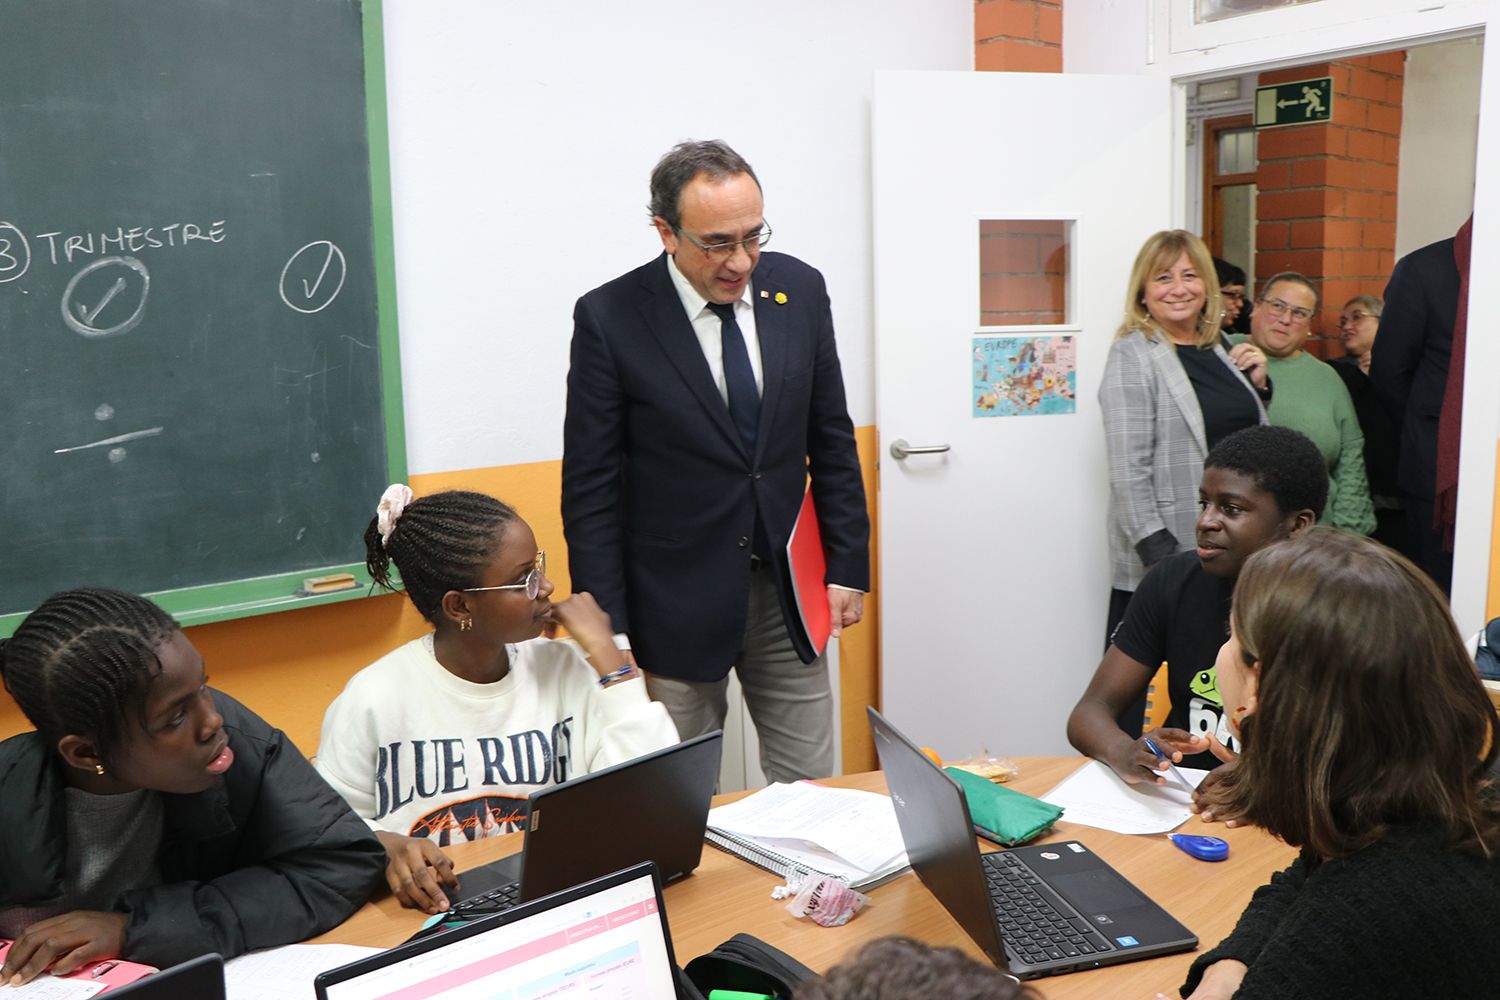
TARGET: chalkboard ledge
(243,598)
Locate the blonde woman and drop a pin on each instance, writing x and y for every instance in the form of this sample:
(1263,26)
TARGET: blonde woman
(1172,389)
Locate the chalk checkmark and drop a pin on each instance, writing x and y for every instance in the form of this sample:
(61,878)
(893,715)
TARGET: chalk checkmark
(309,290)
(88,316)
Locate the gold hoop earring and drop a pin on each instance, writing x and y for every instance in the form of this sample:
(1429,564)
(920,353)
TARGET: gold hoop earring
(99,770)
(465,624)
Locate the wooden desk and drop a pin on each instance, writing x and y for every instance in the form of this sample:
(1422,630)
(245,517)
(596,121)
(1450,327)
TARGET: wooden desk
(727,895)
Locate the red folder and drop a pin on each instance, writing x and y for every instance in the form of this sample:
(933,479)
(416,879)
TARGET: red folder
(809,570)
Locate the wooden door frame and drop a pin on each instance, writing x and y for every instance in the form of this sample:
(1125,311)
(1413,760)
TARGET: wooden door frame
(1213,205)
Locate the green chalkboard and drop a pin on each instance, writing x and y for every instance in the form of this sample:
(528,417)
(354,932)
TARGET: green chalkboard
(199,378)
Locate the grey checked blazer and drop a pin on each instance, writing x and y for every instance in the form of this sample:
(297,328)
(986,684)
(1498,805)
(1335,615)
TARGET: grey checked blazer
(1154,437)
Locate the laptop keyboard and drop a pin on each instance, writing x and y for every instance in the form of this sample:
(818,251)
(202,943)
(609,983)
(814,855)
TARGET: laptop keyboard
(1037,925)
(494,901)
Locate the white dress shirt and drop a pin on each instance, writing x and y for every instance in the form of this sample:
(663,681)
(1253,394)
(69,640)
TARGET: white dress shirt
(707,326)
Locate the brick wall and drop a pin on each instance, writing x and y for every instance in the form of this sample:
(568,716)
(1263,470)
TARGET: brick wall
(1327,192)
(1022,264)
(1023,268)
(1018,36)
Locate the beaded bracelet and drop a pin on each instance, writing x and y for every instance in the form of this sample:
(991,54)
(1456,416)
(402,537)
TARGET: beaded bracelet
(606,680)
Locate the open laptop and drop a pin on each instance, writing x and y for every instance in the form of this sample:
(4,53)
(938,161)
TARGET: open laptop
(607,938)
(1036,911)
(653,808)
(200,978)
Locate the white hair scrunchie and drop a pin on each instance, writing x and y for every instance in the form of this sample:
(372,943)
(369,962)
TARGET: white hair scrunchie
(392,502)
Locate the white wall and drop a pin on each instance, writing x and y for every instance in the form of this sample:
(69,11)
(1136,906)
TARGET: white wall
(522,135)
(1439,129)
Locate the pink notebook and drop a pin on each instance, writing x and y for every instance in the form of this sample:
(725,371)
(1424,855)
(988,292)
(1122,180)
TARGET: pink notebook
(96,977)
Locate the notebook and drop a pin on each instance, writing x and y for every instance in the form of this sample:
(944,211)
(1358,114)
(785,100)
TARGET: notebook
(606,938)
(653,808)
(803,828)
(1039,910)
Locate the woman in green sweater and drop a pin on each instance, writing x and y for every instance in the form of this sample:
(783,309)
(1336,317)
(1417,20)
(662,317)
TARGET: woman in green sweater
(1311,398)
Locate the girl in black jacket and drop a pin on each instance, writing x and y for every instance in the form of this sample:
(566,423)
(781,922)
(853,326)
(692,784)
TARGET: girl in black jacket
(149,817)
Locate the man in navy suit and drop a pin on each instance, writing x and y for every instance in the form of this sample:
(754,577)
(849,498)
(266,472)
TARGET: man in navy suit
(1409,373)
(704,388)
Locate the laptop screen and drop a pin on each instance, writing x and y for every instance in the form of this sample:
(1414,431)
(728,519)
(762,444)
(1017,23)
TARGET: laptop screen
(611,942)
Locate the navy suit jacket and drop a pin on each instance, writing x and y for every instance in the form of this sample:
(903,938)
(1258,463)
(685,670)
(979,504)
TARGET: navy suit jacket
(659,497)
(1409,364)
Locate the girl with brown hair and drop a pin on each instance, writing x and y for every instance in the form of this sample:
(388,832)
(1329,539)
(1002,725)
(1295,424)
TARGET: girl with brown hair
(1366,741)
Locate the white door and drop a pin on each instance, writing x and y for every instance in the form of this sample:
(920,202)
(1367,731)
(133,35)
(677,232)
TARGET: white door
(994,573)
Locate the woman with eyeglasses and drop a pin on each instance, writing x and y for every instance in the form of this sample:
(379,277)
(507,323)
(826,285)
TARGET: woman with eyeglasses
(1359,322)
(442,739)
(1311,398)
(1173,388)
(1235,316)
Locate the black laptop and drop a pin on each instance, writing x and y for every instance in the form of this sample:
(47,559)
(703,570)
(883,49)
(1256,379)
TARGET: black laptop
(605,938)
(1036,911)
(201,978)
(653,808)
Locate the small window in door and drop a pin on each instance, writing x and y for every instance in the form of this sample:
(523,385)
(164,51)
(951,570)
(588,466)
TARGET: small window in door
(1023,272)
(1219,10)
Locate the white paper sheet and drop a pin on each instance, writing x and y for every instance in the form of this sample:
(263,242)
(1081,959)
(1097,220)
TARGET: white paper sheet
(45,987)
(1095,796)
(286,973)
(859,827)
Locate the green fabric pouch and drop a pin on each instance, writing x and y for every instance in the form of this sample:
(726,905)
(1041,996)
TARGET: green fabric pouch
(1000,814)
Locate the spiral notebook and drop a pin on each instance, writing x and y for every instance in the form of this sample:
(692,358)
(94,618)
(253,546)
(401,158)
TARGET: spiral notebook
(802,829)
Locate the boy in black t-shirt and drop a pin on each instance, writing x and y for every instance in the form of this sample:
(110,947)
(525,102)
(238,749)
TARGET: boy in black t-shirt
(1259,485)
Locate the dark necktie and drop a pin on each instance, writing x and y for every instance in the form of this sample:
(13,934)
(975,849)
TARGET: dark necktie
(739,377)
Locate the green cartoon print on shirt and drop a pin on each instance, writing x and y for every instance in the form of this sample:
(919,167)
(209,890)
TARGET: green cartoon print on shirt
(1206,686)
(1206,708)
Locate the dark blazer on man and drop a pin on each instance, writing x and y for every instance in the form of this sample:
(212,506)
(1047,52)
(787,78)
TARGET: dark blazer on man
(1409,365)
(660,499)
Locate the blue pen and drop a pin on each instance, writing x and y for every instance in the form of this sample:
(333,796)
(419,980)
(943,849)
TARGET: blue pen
(1170,766)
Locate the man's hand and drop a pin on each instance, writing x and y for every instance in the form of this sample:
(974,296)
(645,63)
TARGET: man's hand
(1136,764)
(416,869)
(61,944)
(845,608)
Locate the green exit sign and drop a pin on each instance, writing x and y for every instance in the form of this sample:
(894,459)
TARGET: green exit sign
(1295,103)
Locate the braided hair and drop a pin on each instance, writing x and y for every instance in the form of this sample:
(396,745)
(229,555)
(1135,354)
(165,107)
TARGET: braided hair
(81,658)
(439,543)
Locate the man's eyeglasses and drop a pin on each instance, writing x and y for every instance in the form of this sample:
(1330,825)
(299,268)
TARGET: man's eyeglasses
(723,251)
(1279,308)
(532,584)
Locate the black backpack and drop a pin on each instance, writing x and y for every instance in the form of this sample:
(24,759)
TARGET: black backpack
(744,963)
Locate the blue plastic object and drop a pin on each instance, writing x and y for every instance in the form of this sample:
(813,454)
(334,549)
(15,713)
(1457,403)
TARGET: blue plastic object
(1202,848)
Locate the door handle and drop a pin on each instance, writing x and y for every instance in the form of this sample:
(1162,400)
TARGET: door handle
(900,449)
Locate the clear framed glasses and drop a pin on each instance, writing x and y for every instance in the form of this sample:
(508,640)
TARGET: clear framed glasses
(1279,308)
(723,251)
(532,584)
(1355,317)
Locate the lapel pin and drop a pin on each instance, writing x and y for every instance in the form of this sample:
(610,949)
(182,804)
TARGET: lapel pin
(765,294)
(781,298)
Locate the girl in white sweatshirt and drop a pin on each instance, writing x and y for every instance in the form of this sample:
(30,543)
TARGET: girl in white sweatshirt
(442,739)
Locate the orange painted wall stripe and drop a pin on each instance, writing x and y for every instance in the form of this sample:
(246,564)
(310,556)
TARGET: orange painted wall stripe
(289,666)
